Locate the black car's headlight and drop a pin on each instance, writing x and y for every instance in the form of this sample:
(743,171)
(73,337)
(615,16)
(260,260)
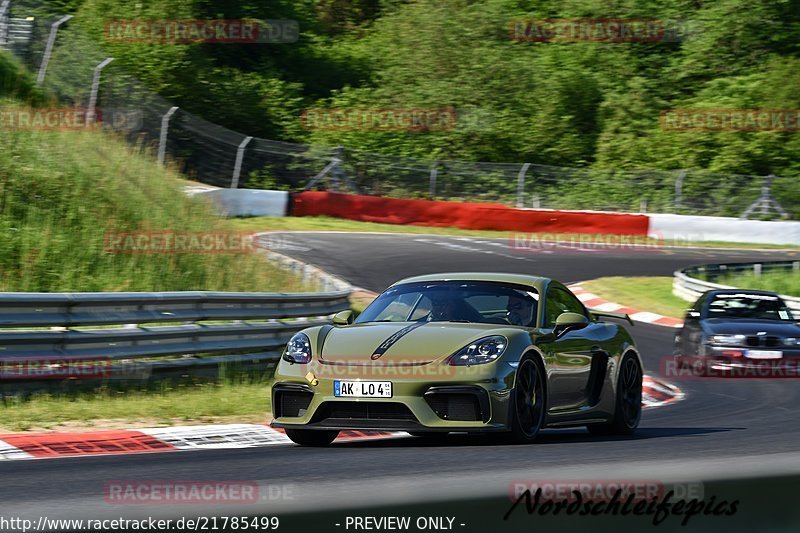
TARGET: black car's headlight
(727,340)
(481,351)
(792,341)
(298,350)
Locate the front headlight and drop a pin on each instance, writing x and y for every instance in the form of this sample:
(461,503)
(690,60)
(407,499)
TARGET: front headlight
(727,340)
(791,341)
(481,351)
(298,350)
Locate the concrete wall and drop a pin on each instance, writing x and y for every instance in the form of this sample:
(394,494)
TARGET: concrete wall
(248,202)
(699,229)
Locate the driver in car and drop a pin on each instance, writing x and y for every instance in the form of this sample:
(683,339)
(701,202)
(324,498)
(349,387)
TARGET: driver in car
(520,311)
(443,308)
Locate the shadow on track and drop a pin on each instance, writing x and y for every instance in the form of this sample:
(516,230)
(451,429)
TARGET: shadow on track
(546,437)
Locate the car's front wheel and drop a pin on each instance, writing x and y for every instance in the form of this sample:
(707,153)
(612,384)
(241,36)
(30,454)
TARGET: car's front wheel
(628,408)
(311,437)
(528,401)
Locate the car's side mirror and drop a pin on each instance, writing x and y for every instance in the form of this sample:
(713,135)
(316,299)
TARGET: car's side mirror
(692,314)
(343,318)
(569,321)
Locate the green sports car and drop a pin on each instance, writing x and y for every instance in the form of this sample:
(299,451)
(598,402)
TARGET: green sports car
(461,352)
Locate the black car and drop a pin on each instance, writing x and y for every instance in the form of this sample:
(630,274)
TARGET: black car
(739,333)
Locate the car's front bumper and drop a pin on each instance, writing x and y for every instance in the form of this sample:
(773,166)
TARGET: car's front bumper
(433,397)
(734,361)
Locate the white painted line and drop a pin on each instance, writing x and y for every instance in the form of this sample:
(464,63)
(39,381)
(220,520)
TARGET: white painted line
(608,306)
(10,452)
(644,316)
(218,436)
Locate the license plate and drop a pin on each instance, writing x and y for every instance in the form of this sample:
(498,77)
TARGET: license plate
(362,389)
(764,354)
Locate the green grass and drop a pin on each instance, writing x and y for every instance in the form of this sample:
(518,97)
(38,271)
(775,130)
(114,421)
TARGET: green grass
(787,283)
(324,223)
(653,294)
(61,193)
(208,403)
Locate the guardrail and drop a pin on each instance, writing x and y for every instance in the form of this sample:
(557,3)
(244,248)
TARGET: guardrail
(227,328)
(689,287)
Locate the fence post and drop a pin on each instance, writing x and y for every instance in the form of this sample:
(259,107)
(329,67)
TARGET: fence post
(521,185)
(757,270)
(162,139)
(4,25)
(334,161)
(679,190)
(90,112)
(48,49)
(237,167)
(434,174)
(765,203)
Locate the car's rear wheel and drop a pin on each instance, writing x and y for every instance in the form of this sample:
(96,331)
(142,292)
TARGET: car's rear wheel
(628,408)
(528,401)
(311,437)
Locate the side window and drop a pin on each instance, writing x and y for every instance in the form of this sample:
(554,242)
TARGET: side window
(560,301)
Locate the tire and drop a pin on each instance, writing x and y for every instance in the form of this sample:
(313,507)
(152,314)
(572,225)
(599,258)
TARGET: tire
(311,437)
(528,401)
(628,401)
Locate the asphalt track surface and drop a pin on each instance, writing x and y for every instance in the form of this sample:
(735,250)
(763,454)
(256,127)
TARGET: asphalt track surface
(719,419)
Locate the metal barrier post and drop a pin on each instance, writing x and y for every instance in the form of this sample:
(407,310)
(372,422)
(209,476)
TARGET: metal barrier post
(90,112)
(521,185)
(237,167)
(432,185)
(679,190)
(4,25)
(162,140)
(48,49)
(766,203)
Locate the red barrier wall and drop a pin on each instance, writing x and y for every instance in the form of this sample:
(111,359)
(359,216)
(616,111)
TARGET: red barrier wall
(463,215)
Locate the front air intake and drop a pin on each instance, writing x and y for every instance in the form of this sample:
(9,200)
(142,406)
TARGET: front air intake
(465,404)
(291,400)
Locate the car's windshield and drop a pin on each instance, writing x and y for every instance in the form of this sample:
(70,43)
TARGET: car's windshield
(455,301)
(749,306)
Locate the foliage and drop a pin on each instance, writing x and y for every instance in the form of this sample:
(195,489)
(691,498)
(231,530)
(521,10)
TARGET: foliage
(577,104)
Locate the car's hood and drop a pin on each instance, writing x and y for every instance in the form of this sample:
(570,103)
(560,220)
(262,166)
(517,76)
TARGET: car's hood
(400,342)
(721,326)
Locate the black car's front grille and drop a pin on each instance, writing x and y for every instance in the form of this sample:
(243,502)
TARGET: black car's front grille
(291,402)
(769,341)
(466,403)
(465,407)
(363,411)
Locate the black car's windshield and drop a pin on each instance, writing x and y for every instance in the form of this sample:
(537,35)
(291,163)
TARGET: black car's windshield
(455,301)
(748,306)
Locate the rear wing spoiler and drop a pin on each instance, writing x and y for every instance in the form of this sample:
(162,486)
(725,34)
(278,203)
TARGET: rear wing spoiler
(611,314)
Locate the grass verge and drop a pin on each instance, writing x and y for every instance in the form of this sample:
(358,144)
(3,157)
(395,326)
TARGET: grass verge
(196,404)
(64,194)
(653,294)
(337,224)
(787,283)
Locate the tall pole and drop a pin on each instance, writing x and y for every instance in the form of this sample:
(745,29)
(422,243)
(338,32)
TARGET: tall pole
(162,139)
(237,167)
(521,185)
(90,112)
(48,49)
